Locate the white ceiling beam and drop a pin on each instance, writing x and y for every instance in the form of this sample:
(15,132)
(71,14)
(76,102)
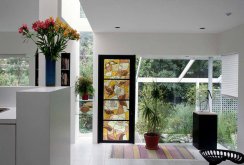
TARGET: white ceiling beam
(185,70)
(175,80)
(138,68)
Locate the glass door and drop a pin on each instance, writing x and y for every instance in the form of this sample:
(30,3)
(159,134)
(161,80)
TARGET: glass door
(116,98)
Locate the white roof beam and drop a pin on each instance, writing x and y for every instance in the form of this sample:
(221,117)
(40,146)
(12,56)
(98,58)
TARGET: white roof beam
(175,80)
(138,68)
(185,70)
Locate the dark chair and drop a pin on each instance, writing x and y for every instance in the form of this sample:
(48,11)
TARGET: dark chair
(216,156)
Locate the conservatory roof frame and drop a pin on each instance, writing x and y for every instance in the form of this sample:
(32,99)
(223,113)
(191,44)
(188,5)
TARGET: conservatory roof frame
(180,79)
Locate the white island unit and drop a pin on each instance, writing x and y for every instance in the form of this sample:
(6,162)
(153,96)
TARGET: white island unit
(7,136)
(43,126)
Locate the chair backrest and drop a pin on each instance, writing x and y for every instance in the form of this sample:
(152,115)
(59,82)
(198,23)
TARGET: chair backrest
(217,156)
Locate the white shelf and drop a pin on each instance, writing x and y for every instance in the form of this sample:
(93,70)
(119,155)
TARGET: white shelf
(86,100)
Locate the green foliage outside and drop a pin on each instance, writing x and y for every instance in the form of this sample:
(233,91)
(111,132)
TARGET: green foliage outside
(180,120)
(85,122)
(86,52)
(86,66)
(153,110)
(86,43)
(227,130)
(162,68)
(14,72)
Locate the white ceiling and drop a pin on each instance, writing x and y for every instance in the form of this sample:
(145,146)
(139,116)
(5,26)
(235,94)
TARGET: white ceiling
(166,16)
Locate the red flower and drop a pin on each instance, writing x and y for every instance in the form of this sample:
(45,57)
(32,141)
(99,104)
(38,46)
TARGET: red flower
(36,25)
(23,29)
(20,30)
(49,22)
(40,25)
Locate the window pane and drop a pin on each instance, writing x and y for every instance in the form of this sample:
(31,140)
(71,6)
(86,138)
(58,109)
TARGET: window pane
(86,43)
(86,70)
(162,68)
(86,66)
(199,69)
(82,13)
(14,71)
(217,68)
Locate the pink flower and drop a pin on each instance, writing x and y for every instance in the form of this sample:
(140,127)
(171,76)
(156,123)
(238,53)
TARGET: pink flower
(39,25)
(25,26)
(49,22)
(23,29)
(44,25)
(20,30)
(36,25)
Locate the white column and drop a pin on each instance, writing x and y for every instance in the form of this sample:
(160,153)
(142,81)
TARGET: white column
(136,105)
(137,86)
(210,82)
(197,97)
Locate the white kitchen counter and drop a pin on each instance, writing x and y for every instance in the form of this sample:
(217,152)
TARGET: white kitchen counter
(9,116)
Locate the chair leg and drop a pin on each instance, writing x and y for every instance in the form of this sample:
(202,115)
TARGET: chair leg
(212,164)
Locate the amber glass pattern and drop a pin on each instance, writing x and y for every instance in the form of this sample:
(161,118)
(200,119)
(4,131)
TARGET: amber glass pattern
(116,110)
(116,130)
(116,69)
(116,89)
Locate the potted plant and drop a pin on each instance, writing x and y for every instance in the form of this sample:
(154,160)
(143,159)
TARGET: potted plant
(150,109)
(83,87)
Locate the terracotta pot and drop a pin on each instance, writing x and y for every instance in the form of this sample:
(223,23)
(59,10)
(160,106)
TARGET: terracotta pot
(151,140)
(85,96)
(84,109)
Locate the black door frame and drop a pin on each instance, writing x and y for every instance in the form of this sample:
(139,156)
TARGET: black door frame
(131,100)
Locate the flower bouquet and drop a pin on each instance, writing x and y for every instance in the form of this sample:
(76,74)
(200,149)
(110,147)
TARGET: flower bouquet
(51,37)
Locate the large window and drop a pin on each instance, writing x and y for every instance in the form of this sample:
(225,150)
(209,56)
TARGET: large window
(184,84)
(86,70)
(14,71)
(82,13)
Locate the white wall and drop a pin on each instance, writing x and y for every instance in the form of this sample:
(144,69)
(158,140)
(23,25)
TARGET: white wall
(154,44)
(72,19)
(232,42)
(13,13)
(149,45)
(8,95)
(73,49)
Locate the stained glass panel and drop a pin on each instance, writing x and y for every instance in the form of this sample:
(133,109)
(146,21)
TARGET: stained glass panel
(116,89)
(115,130)
(116,110)
(116,69)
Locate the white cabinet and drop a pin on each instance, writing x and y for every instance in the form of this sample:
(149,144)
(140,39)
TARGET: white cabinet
(43,126)
(7,144)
